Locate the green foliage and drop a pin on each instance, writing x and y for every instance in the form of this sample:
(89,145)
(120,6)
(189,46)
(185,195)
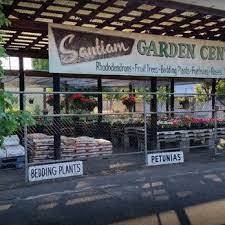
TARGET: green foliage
(162,94)
(204,91)
(220,90)
(11,119)
(40,64)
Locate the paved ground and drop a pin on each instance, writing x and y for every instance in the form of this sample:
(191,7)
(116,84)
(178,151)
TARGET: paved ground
(191,193)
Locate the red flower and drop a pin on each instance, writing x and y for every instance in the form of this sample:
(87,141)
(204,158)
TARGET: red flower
(50,100)
(81,102)
(128,100)
(77,96)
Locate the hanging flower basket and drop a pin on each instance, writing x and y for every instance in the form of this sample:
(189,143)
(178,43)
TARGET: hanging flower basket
(129,102)
(80,102)
(50,100)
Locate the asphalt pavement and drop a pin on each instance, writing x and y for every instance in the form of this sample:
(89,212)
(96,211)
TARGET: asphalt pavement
(167,195)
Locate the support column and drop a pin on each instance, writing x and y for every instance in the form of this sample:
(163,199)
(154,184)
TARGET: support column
(167,100)
(172,97)
(56,119)
(45,112)
(213,92)
(153,105)
(100,100)
(130,90)
(21,82)
(21,95)
(135,103)
(66,98)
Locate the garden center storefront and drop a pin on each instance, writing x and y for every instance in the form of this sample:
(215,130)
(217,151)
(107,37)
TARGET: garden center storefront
(105,101)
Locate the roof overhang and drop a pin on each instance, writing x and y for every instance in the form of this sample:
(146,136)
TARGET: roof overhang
(27,35)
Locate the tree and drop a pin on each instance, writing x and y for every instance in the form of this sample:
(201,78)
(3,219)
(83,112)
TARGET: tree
(204,91)
(11,119)
(40,64)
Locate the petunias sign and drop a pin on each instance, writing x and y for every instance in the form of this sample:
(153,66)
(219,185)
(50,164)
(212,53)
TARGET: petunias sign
(56,170)
(80,50)
(165,158)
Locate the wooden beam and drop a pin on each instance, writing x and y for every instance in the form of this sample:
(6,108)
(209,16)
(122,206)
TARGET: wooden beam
(27,26)
(144,15)
(78,6)
(29,53)
(184,7)
(158,21)
(8,9)
(131,5)
(93,14)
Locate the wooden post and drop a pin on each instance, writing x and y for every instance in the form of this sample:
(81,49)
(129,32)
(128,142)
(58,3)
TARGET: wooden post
(167,100)
(100,100)
(134,103)
(21,95)
(66,98)
(56,119)
(130,90)
(172,97)
(213,92)
(153,105)
(21,82)
(44,102)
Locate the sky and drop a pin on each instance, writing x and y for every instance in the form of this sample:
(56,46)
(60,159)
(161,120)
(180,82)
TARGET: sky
(13,63)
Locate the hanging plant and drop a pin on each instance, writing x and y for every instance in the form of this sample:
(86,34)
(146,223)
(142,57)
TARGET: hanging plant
(80,102)
(184,102)
(129,101)
(50,100)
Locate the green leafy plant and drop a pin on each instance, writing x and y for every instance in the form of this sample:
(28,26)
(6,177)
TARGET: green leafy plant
(11,119)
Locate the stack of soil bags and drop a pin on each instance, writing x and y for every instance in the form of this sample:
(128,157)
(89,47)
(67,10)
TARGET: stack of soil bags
(11,147)
(40,147)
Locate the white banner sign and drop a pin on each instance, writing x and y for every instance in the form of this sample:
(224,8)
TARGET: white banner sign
(56,170)
(80,50)
(165,158)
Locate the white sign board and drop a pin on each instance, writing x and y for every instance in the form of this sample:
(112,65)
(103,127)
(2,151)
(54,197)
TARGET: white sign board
(56,170)
(165,158)
(80,50)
